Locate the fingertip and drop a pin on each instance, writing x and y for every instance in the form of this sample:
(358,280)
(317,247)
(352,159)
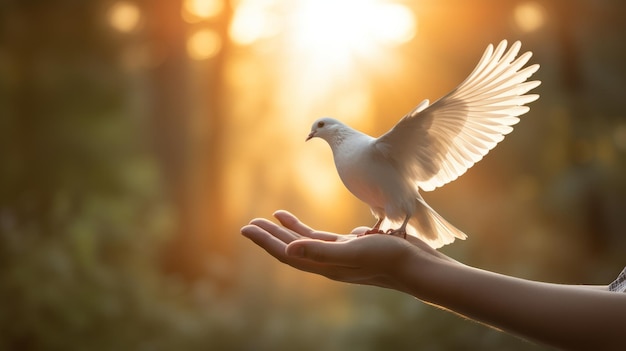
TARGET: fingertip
(283,215)
(252,221)
(247,230)
(258,221)
(247,227)
(287,219)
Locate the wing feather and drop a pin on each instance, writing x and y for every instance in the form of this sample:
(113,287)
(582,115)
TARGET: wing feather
(435,144)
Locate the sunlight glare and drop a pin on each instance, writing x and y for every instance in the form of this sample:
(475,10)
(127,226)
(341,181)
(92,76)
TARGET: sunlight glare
(529,16)
(397,23)
(318,55)
(252,21)
(203,44)
(338,30)
(124,16)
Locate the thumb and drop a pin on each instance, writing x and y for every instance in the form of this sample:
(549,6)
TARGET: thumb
(320,251)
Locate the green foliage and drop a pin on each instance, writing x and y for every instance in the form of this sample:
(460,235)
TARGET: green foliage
(81,216)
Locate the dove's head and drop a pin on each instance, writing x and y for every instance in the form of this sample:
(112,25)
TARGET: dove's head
(326,128)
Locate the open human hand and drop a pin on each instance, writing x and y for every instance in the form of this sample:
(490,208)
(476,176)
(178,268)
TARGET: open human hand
(362,259)
(564,316)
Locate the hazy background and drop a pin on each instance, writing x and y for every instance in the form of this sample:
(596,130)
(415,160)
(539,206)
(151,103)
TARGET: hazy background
(137,137)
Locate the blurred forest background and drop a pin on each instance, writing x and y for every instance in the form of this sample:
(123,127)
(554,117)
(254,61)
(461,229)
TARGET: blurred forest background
(138,136)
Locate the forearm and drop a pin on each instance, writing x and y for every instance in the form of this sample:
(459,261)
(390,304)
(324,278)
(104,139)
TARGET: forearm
(572,317)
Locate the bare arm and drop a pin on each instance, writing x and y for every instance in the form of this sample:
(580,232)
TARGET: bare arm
(565,316)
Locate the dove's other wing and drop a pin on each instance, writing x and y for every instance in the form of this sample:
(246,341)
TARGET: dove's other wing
(435,144)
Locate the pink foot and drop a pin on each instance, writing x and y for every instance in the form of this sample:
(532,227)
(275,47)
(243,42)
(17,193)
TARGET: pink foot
(397,232)
(371,231)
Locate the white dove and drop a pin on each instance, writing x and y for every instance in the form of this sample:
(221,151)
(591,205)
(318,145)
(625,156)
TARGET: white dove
(432,145)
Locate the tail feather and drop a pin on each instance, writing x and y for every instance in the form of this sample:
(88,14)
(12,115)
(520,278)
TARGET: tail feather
(431,227)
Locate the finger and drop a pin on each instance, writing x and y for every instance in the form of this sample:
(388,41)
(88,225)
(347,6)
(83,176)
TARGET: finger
(265,240)
(276,248)
(330,253)
(283,234)
(292,222)
(326,236)
(360,230)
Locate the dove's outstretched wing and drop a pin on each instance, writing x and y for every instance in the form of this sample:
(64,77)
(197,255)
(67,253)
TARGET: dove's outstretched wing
(435,144)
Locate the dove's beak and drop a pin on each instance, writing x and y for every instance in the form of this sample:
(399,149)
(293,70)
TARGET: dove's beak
(311,135)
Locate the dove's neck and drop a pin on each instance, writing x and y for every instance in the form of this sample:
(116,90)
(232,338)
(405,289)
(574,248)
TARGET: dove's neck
(345,139)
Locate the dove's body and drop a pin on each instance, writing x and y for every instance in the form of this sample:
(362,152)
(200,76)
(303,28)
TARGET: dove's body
(373,178)
(432,145)
(370,176)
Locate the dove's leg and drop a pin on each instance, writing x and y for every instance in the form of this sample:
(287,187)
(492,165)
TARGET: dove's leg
(402,230)
(376,228)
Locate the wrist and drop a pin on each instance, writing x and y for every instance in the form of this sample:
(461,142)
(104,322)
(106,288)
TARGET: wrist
(423,274)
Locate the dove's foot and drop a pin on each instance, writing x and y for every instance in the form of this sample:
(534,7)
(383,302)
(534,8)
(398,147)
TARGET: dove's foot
(397,232)
(371,231)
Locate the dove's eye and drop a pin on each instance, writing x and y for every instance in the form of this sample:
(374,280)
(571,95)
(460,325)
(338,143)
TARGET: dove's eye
(320,124)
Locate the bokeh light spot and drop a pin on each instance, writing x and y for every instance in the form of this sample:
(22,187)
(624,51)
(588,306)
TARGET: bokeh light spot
(529,16)
(196,10)
(203,44)
(124,16)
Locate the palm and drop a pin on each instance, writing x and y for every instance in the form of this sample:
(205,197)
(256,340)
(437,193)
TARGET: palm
(368,259)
